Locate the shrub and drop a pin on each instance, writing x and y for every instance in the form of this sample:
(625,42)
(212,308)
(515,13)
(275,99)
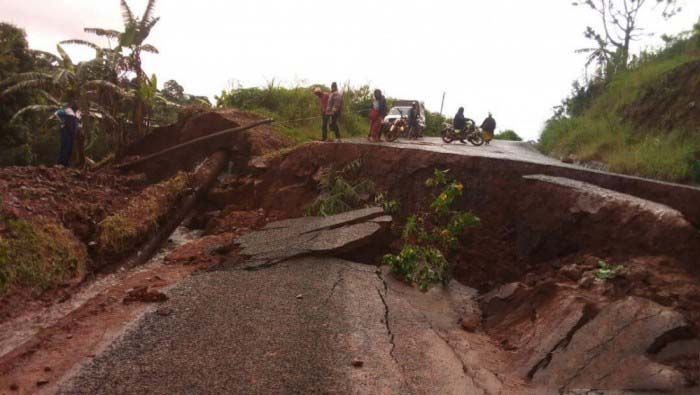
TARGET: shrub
(297,109)
(607,272)
(429,235)
(507,135)
(38,254)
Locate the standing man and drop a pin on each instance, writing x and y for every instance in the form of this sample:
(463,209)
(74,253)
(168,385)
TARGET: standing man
(376,116)
(323,101)
(69,117)
(488,126)
(335,109)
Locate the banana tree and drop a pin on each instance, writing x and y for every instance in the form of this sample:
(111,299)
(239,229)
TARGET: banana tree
(132,38)
(64,82)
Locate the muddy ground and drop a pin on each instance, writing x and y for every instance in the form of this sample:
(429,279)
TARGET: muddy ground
(534,260)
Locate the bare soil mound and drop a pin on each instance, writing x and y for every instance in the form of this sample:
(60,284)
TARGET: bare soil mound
(258,141)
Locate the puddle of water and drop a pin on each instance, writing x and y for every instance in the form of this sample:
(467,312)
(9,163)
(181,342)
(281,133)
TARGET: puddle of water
(15,332)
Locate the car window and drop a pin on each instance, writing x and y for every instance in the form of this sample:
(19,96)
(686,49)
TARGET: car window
(395,110)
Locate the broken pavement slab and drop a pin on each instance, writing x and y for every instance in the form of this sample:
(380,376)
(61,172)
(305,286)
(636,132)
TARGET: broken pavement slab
(622,334)
(333,235)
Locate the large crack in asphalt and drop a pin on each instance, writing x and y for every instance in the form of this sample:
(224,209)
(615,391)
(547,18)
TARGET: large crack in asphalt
(466,369)
(390,334)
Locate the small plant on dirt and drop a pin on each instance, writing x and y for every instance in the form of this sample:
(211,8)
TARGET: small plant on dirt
(342,189)
(606,271)
(431,234)
(390,206)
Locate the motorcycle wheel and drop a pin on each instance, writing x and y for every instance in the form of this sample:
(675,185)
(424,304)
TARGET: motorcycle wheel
(392,135)
(446,136)
(476,139)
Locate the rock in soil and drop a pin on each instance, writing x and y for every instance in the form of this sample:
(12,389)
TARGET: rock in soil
(624,333)
(143,294)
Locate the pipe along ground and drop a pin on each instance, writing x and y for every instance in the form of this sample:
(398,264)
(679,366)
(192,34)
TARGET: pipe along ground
(193,141)
(204,177)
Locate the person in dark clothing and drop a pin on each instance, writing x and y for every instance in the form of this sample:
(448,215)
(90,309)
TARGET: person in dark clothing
(69,117)
(376,116)
(488,127)
(334,109)
(323,102)
(460,121)
(413,117)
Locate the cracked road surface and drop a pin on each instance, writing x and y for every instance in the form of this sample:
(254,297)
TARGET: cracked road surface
(296,328)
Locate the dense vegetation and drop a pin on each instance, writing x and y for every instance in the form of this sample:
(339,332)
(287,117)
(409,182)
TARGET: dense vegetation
(118,100)
(637,118)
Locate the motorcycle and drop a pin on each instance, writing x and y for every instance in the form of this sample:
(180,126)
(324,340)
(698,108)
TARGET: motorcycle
(401,128)
(470,133)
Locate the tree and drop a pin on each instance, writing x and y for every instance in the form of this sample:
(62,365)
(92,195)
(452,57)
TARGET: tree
(174,91)
(619,26)
(67,82)
(133,37)
(15,57)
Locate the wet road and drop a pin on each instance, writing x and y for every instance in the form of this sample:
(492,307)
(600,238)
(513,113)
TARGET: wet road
(306,326)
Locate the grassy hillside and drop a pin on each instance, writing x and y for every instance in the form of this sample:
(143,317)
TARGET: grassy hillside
(643,121)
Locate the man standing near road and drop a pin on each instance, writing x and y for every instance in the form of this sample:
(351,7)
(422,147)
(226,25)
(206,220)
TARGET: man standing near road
(334,110)
(488,127)
(70,119)
(323,101)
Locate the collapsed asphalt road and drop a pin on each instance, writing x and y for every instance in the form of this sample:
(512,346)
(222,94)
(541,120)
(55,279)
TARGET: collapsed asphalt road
(293,319)
(305,326)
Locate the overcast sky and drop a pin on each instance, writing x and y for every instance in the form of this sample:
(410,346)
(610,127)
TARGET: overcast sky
(512,57)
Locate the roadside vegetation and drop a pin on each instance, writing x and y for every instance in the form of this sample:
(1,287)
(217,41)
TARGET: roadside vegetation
(342,189)
(38,254)
(298,113)
(121,231)
(119,101)
(507,135)
(431,234)
(637,114)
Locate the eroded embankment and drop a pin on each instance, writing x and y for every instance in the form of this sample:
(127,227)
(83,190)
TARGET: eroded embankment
(116,221)
(544,239)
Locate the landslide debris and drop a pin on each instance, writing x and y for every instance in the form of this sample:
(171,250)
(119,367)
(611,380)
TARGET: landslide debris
(256,142)
(120,232)
(48,215)
(548,233)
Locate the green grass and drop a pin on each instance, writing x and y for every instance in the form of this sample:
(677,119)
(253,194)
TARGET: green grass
(38,254)
(122,231)
(291,108)
(602,134)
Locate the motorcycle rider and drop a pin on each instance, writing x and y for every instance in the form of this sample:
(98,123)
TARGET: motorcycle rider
(460,122)
(488,127)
